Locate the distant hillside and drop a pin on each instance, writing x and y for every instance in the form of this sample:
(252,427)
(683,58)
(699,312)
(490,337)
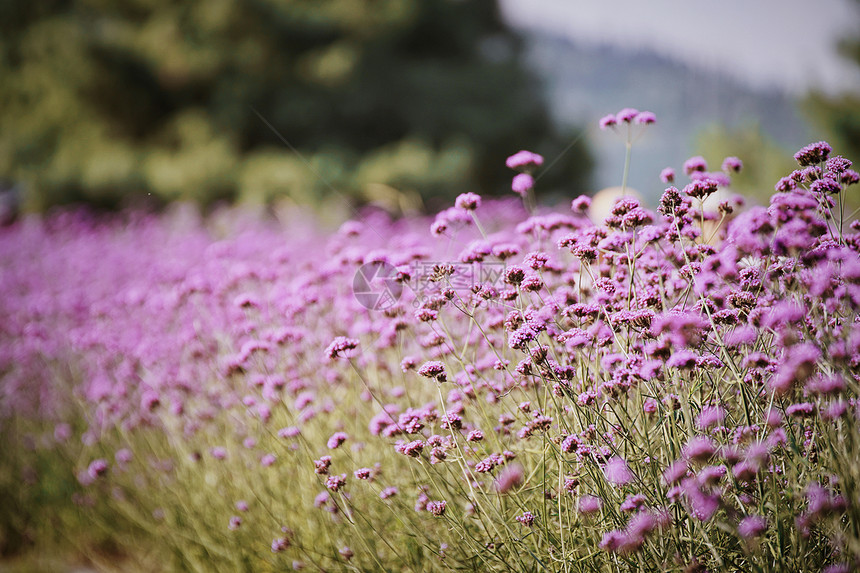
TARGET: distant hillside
(585,83)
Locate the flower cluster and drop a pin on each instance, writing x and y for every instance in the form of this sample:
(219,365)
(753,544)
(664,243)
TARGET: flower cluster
(673,388)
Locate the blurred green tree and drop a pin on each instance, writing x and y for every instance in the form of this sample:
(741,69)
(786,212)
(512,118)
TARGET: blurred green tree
(392,100)
(839,114)
(839,117)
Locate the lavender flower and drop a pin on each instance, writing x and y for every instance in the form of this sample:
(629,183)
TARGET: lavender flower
(522,183)
(581,204)
(626,115)
(608,121)
(589,504)
(97,468)
(341,347)
(336,440)
(732,165)
(645,118)
(509,478)
(694,164)
(710,416)
(667,175)
(321,465)
(437,508)
(468,201)
(336,482)
(363,473)
(524,160)
(699,449)
(433,369)
(617,472)
(813,153)
(752,526)
(527,519)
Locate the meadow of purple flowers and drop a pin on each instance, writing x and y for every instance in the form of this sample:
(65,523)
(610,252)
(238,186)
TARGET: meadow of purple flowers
(531,390)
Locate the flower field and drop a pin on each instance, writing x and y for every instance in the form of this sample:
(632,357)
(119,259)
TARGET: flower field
(503,387)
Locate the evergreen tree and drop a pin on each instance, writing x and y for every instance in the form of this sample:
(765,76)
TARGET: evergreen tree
(103,100)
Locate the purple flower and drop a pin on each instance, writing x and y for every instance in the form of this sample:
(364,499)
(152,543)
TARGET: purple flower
(785,184)
(813,153)
(825,186)
(433,369)
(468,201)
(710,416)
(607,121)
(589,504)
(522,183)
(711,475)
(527,518)
(674,473)
(696,163)
(650,405)
(437,508)
(699,449)
(667,175)
(123,456)
(388,492)
(509,478)
(626,115)
(341,347)
(524,160)
(363,473)
(218,453)
(289,432)
(321,465)
(336,482)
(732,165)
(645,118)
(234,523)
(613,540)
(800,410)
(837,165)
(826,385)
(683,359)
(280,544)
(97,468)
(412,449)
(701,188)
(336,440)
(346,553)
(839,568)
(617,472)
(752,526)
(798,366)
(632,503)
(581,204)
(475,436)
(267,460)
(834,410)
(703,505)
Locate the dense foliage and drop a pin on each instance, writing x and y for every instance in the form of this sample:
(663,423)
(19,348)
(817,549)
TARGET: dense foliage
(108,100)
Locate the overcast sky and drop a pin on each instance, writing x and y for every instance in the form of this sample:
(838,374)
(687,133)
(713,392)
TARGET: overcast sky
(787,44)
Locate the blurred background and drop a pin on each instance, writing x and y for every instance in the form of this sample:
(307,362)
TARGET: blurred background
(406,103)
